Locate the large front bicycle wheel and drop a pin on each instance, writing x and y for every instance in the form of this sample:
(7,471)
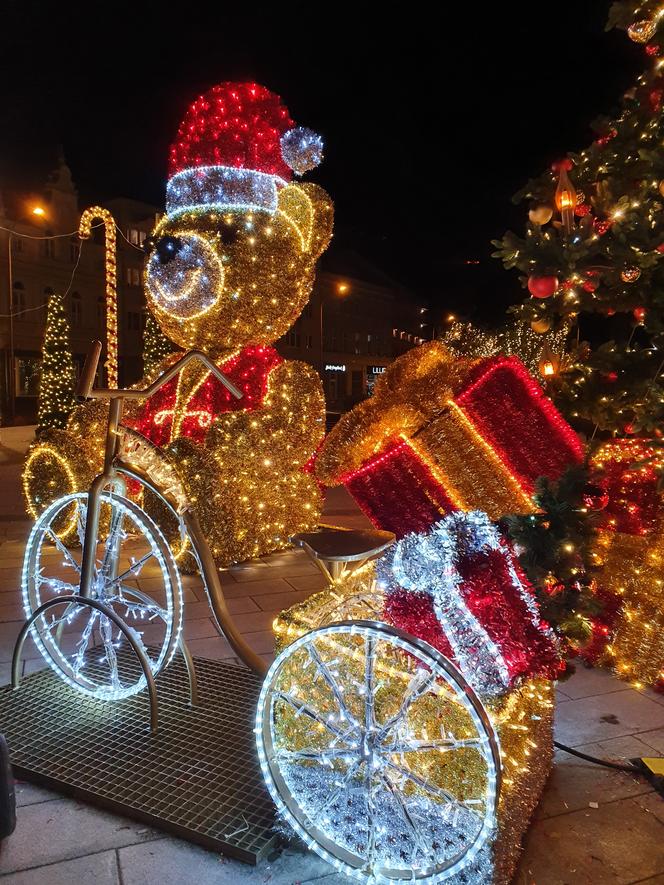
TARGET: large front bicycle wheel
(135,575)
(378,753)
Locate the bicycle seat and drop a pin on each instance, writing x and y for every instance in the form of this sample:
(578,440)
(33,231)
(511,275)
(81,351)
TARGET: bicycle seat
(338,545)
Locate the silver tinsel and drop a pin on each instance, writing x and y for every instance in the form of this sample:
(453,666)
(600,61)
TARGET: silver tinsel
(443,831)
(428,563)
(302,149)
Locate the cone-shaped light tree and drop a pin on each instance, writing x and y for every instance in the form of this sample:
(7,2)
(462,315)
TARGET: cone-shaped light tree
(155,345)
(58,379)
(592,255)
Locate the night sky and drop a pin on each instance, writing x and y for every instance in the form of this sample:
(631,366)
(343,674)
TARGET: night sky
(431,120)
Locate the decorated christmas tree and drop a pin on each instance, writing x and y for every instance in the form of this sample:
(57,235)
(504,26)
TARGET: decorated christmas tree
(155,345)
(592,257)
(58,379)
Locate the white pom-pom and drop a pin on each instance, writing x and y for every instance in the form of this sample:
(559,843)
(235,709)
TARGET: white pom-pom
(302,149)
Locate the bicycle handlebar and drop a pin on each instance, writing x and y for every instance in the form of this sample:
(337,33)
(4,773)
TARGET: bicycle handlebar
(84,387)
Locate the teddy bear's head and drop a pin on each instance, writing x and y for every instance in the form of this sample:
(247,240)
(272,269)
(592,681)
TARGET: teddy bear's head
(232,262)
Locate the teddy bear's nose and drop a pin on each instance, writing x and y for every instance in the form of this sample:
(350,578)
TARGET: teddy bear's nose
(167,248)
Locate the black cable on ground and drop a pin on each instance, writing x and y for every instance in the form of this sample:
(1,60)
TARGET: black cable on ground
(619,766)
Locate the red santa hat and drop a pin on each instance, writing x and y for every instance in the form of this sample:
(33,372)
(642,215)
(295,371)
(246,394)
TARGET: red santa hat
(236,146)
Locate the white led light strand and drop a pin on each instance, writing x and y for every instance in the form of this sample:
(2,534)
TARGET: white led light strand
(221,186)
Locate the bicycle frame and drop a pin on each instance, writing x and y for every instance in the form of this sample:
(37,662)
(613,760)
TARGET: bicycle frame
(112,472)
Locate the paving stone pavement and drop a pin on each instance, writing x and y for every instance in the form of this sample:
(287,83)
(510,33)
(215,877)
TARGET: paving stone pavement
(571,842)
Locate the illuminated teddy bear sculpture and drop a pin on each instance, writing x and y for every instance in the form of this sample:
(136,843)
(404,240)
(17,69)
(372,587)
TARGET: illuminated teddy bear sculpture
(230,268)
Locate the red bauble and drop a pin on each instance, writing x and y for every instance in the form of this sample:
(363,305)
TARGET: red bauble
(610,376)
(542,287)
(639,314)
(660,248)
(601,226)
(652,49)
(559,165)
(590,285)
(629,429)
(582,210)
(610,311)
(595,497)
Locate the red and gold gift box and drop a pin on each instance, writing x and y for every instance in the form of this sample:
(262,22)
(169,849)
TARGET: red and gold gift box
(630,551)
(443,434)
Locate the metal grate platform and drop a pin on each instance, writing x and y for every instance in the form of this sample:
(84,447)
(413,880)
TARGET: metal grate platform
(197,778)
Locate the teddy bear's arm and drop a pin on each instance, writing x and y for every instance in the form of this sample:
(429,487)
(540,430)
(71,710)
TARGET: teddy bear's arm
(287,427)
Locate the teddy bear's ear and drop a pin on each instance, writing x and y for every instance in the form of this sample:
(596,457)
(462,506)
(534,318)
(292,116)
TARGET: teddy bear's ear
(311,212)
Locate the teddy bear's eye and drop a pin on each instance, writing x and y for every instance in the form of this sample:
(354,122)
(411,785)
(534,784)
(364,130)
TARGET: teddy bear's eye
(228,234)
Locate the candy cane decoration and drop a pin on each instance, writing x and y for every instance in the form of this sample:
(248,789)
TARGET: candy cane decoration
(85,232)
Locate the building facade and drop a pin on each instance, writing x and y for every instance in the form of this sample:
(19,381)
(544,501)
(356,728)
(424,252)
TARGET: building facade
(43,255)
(355,324)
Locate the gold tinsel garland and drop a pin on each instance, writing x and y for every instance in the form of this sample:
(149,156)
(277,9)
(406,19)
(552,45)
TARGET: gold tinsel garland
(57,464)
(633,567)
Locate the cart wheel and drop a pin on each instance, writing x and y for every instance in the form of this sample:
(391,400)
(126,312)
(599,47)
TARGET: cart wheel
(135,575)
(378,753)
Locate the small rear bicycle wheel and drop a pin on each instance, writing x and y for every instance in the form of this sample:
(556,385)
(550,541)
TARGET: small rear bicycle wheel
(379,754)
(135,575)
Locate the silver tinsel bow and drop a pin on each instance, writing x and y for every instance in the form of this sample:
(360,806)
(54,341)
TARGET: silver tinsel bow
(428,563)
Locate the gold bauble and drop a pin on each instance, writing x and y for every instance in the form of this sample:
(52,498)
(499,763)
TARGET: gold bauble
(540,326)
(661,187)
(641,32)
(630,274)
(540,215)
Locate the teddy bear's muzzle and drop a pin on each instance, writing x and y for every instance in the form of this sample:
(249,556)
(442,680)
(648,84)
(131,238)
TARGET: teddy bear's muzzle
(184,275)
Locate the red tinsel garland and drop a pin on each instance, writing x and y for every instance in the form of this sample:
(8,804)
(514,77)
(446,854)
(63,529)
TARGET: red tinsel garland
(511,412)
(398,492)
(492,597)
(635,504)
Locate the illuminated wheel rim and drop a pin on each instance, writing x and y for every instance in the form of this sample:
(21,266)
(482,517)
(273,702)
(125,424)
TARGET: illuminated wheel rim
(135,575)
(345,742)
